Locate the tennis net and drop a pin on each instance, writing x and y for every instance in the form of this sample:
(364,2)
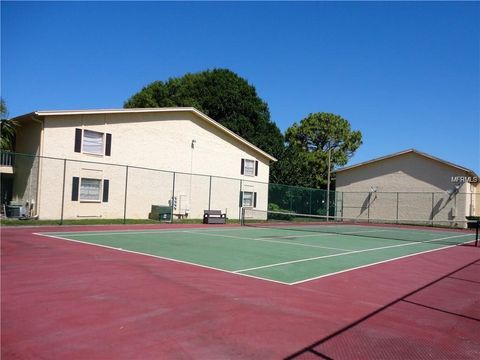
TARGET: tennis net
(437,232)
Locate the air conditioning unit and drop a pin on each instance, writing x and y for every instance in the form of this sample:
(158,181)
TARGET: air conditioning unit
(14,211)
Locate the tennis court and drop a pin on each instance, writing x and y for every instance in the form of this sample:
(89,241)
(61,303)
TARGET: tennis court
(284,252)
(240,292)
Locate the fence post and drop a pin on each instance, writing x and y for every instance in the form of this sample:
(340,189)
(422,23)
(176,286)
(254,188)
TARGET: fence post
(173,198)
(239,204)
(368,207)
(343,203)
(310,202)
(210,192)
(398,198)
(125,203)
(477,225)
(471,204)
(63,189)
(433,206)
(335,205)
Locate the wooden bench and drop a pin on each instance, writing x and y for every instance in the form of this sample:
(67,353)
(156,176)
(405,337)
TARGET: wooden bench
(214,217)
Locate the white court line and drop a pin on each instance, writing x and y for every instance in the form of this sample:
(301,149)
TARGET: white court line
(248,275)
(156,231)
(161,257)
(348,253)
(371,264)
(273,241)
(323,233)
(204,231)
(162,231)
(125,232)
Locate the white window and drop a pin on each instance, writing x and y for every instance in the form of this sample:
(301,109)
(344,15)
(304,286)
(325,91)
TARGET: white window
(92,142)
(247,198)
(90,189)
(249,167)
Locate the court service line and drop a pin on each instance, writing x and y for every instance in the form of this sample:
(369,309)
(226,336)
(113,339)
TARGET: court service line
(347,253)
(161,257)
(323,233)
(272,241)
(126,231)
(155,231)
(370,264)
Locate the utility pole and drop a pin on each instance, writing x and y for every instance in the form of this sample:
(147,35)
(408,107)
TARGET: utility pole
(328,184)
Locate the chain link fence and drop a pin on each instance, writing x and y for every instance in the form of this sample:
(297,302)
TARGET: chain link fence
(408,207)
(301,200)
(57,189)
(50,188)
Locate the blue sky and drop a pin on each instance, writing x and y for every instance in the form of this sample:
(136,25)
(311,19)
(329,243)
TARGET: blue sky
(404,74)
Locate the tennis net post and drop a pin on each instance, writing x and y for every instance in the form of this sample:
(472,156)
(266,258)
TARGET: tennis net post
(476,232)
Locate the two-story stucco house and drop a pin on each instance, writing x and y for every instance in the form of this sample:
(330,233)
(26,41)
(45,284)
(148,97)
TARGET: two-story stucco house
(120,162)
(408,185)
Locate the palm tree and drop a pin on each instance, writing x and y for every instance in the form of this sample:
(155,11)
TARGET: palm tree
(7,128)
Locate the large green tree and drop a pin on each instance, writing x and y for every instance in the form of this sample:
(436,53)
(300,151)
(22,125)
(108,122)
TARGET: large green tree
(304,161)
(7,129)
(222,95)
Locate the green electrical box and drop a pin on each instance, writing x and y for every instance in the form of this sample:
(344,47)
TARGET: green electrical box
(160,213)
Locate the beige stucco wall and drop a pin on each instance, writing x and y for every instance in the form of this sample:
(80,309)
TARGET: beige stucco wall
(155,141)
(409,187)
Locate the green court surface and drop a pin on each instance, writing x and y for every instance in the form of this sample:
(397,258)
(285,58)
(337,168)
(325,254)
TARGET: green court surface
(288,256)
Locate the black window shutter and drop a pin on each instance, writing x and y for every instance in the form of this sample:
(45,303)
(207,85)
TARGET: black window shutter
(78,140)
(108,145)
(75,185)
(256,168)
(254,199)
(241,199)
(106,184)
(242,169)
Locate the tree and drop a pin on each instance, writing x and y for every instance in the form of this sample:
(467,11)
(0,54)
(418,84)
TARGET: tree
(7,129)
(304,162)
(222,95)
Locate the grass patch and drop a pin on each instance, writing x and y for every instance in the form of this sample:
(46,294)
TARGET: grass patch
(17,222)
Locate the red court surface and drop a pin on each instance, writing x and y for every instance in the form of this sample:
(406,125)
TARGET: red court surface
(65,300)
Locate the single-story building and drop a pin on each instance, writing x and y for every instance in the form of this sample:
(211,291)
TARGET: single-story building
(408,185)
(119,162)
